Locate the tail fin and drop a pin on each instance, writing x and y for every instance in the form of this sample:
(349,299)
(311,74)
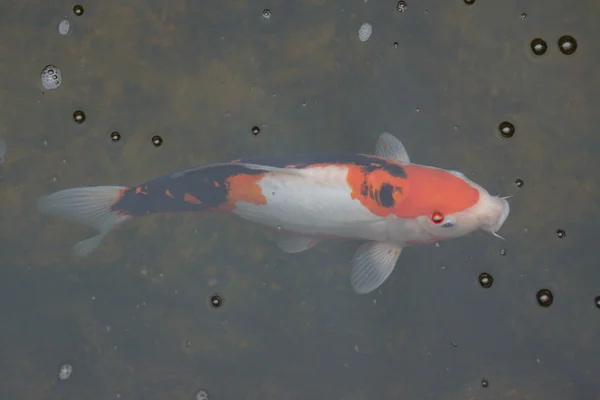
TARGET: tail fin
(91,206)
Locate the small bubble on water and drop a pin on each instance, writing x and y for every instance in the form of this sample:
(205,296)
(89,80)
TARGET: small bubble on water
(79,116)
(115,136)
(538,46)
(469,2)
(65,372)
(544,297)
(157,140)
(188,343)
(78,10)
(401,6)
(201,394)
(396,45)
(486,280)
(561,233)
(216,301)
(255,130)
(567,44)
(502,252)
(266,14)
(484,383)
(597,300)
(64,27)
(523,15)
(519,183)
(51,77)
(507,130)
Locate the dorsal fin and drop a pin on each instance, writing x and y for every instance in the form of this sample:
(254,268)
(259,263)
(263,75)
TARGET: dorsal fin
(388,146)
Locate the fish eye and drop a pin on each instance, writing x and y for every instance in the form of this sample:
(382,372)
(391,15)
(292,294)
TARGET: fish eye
(437,217)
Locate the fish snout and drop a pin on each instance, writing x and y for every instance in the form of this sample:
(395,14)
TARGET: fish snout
(494,214)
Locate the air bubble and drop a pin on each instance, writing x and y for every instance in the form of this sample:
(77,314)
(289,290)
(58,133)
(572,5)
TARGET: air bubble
(216,301)
(266,14)
(538,46)
(396,45)
(157,140)
(484,383)
(597,301)
(365,31)
(561,233)
(64,27)
(567,44)
(201,394)
(486,280)
(519,183)
(65,372)
(502,252)
(255,130)
(544,297)
(469,2)
(51,77)
(523,15)
(115,136)
(401,6)
(507,130)
(79,117)
(78,10)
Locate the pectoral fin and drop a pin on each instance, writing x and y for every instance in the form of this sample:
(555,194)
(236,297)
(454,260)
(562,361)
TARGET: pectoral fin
(372,263)
(295,243)
(388,146)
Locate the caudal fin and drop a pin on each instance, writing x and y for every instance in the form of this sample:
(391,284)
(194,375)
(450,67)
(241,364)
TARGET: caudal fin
(91,206)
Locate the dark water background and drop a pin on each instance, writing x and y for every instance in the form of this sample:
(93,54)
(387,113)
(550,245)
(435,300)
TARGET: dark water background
(133,318)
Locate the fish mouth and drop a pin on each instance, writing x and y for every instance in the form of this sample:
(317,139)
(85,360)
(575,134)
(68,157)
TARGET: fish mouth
(504,209)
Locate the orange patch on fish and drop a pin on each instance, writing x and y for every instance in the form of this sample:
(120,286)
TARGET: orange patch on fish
(435,190)
(123,191)
(169,194)
(245,187)
(378,190)
(188,198)
(139,190)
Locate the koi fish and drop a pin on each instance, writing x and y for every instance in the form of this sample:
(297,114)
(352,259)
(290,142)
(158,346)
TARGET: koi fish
(382,199)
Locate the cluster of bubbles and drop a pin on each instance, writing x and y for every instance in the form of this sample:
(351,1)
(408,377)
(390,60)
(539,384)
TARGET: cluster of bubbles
(566,44)
(201,394)
(365,31)
(65,372)
(51,77)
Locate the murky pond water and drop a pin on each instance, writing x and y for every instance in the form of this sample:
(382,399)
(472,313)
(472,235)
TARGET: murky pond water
(180,306)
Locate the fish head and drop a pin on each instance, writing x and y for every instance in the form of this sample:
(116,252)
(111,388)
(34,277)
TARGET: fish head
(446,204)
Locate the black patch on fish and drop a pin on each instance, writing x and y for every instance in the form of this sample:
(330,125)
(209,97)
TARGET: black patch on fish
(386,198)
(364,188)
(198,182)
